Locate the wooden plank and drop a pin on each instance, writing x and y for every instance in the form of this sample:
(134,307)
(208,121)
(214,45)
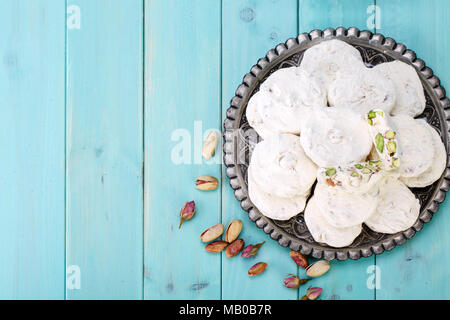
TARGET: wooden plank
(182,81)
(250,29)
(419,268)
(104,149)
(322,14)
(345,280)
(32,142)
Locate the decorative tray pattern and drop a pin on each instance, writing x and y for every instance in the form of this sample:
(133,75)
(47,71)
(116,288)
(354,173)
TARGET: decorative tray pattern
(240,138)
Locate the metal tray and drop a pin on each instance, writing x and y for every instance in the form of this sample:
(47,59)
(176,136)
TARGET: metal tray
(240,138)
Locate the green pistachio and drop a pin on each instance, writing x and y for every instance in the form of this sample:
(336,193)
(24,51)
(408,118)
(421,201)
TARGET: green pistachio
(330,172)
(391,146)
(371,114)
(390,134)
(379,142)
(395,163)
(358,166)
(355,174)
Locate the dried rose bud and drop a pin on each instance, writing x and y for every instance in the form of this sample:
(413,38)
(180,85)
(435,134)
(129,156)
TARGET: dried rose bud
(216,246)
(234,248)
(304,298)
(299,259)
(187,212)
(313,293)
(293,282)
(206,183)
(251,250)
(257,269)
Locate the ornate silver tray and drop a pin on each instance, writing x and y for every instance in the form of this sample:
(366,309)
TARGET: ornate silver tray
(240,138)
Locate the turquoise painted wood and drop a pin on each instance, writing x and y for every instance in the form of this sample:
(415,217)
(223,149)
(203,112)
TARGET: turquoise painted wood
(322,14)
(103,124)
(348,279)
(419,268)
(182,81)
(32,149)
(250,29)
(104,192)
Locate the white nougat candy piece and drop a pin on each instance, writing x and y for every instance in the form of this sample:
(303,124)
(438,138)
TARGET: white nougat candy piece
(326,59)
(436,168)
(410,97)
(344,209)
(358,178)
(281,168)
(362,91)
(284,97)
(274,207)
(417,146)
(324,232)
(397,209)
(384,138)
(335,137)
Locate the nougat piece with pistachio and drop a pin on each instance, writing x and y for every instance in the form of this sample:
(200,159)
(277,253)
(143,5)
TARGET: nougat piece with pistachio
(356,178)
(384,138)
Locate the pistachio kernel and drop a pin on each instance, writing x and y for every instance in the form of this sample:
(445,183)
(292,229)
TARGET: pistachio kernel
(358,166)
(379,142)
(318,268)
(330,172)
(369,121)
(371,114)
(390,134)
(257,269)
(391,146)
(395,163)
(233,230)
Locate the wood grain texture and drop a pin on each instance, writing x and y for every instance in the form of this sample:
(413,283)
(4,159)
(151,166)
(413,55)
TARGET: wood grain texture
(419,268)
(250,29)
(104,149)
(182,81)
(348,279)
(32,144)
(322,14)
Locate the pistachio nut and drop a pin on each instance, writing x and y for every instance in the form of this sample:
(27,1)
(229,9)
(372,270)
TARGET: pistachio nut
(209,145)
(391,146)
(216,246)
(257,269)
(234,248)
(379,142)
(206,183)
(212,233)
(233,230)
(395,163)
(299,259)
(318,268)
(330,172)
(390,134)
